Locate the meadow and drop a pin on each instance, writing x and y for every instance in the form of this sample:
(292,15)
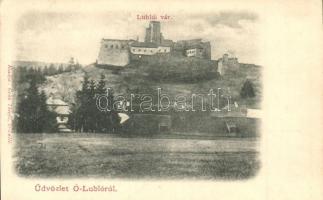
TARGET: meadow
(115,156)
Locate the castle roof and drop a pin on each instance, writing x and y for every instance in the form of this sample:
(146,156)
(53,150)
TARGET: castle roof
(194,46)
(191,40)
(144,44)
(104,39)
(167,43)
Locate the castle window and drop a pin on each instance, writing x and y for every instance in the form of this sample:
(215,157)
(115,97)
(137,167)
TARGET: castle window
(117,46)
(151,51)
(144,50)
(106,46)
(139,50)
(122,46)
(165,50)
(111,46)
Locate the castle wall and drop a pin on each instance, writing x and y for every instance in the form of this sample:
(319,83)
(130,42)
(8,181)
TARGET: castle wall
(143,50)
(148,50)
(162,49)
(149,58)
(121,52)
(220,67)
(227,63)
(114,52)
(206,50)
(187,45)
(194,53)
(148,35)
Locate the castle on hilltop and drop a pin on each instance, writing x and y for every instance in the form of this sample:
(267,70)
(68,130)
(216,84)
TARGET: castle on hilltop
(227,62)
(115,52)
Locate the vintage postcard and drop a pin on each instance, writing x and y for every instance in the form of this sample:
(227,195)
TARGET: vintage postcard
(165,99)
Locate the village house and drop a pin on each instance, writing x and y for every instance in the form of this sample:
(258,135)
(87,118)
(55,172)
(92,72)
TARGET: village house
(148,124)
(62,110)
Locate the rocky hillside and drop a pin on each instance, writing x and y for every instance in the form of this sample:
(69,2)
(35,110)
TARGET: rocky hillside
(63,86)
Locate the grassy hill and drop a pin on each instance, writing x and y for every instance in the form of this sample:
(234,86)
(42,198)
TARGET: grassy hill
(174,75)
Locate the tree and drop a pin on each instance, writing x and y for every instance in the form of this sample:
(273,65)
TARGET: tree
(51,70)
(27,110)
(91,110)
(33,113)
(71,61)
(47,118)
(114,119)
(45,71)
(86,116)
(103,121)
(247,90)
(60,69)
(79,111)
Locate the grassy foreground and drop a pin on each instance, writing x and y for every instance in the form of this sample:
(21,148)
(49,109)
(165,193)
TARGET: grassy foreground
(110,156)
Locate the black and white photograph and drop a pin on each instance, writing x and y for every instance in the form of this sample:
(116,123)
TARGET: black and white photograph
(162,99)
(141,96)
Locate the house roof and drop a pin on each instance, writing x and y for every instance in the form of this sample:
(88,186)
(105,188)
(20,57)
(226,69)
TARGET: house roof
(124,117)
(63,110)
(57,102)
(142,118)
(234,112)
(254,113)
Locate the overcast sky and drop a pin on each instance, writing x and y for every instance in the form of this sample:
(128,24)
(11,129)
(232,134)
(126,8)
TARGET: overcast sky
(55,37)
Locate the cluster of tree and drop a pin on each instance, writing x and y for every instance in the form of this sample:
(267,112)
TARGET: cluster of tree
(23,74)
(247,90)
(52,70)
(86,117)
(33,115)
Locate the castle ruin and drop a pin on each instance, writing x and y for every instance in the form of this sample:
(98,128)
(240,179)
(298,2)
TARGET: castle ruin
(227,62)
(116,52)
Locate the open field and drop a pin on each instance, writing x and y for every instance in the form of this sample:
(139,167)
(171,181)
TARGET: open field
(111,156)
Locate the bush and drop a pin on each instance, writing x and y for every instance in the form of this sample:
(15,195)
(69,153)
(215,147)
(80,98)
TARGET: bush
(247,90)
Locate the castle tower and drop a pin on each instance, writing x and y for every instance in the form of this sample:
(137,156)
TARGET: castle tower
(153,33)
(114,52)
(225,58)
